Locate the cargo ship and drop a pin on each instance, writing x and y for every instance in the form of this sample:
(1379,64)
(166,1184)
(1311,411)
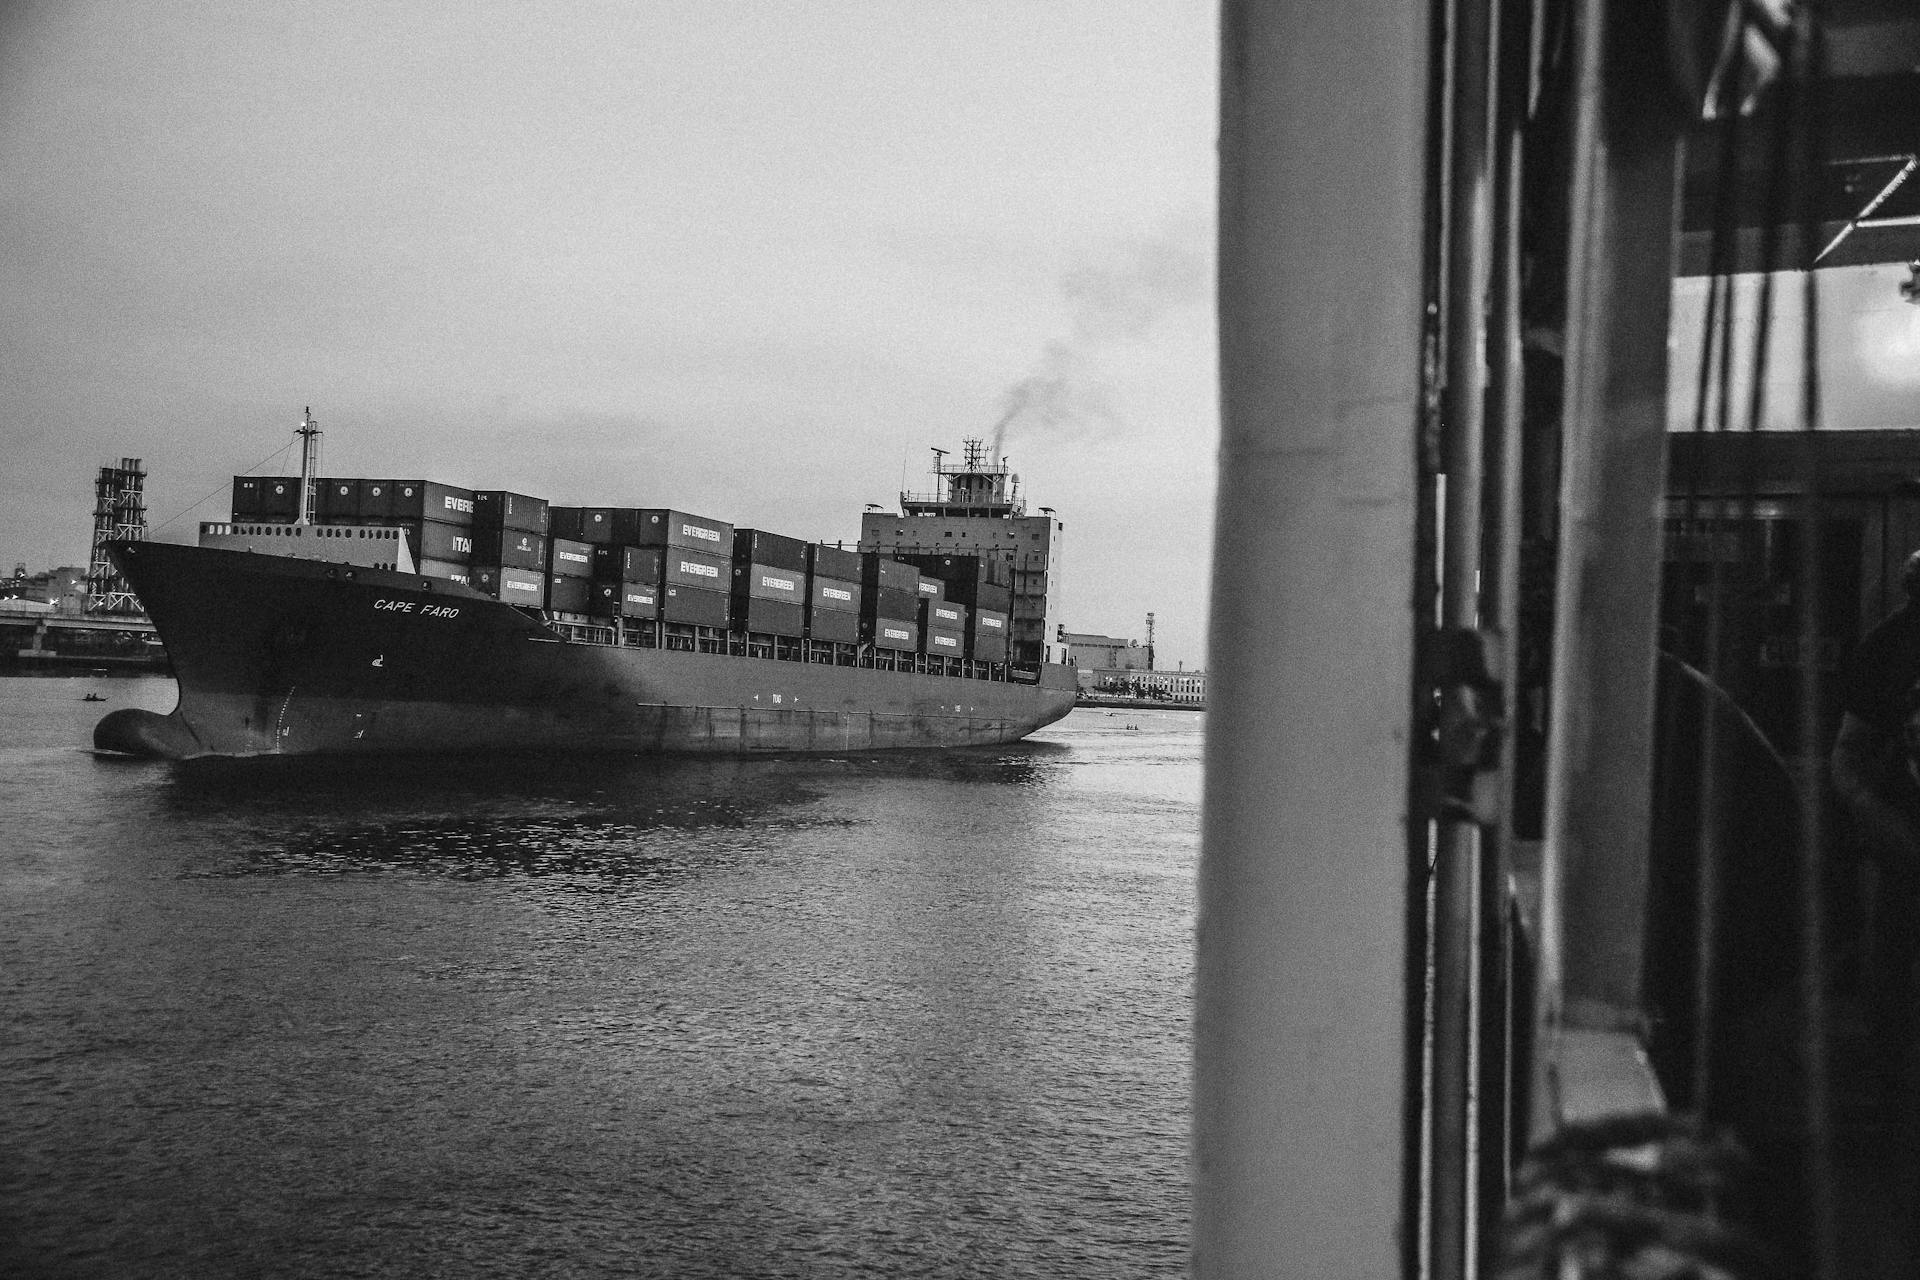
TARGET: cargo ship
(349,616)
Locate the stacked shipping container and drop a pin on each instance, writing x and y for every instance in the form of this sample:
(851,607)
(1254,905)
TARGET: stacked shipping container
(510,546)
(646,563)
(834,595)
(981,585)
(682,561)
(769,583)
(890,609)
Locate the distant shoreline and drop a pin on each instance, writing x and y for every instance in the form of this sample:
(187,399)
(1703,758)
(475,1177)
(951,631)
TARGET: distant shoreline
(1135,704)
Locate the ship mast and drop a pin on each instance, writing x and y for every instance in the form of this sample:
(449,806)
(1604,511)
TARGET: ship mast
(309,433)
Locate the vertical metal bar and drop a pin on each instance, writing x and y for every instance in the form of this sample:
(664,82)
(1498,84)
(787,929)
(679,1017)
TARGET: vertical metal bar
(1300,1050)
(1598,814)
(1468,221)
(1815,832)
(1505,433)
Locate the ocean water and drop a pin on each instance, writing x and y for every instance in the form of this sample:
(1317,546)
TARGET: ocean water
(918,1014)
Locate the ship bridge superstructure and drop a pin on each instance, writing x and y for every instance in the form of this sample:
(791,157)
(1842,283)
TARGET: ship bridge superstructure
(974,510)
(979,485)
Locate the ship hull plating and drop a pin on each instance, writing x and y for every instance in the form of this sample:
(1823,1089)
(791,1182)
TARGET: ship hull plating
(277,656)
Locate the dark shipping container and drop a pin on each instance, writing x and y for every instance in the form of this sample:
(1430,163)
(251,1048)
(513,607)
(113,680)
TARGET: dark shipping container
(932,588)
(969,580)
(376,499)
(499,509)
(834,562)
(776,551)
(570,558)
(594,524)
(624,600)
(983,648)
(246,499)
(987,596)
(517,547)
(693,569)
(448,569)
(771,617)
(525,587)
(627,564)
(337,500)
(891,633)
(884,571)
(834,624)
(279,499)
(567,593)
(768,582)
(889,602)
(831,594)
(695,606)
(988,622)
(430,500)
(943,616)
(947,644)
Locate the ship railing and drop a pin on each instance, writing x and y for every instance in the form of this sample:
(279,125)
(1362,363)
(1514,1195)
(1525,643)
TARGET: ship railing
(688,638)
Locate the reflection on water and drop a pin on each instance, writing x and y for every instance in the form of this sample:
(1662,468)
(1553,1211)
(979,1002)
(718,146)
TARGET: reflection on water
(919,1013)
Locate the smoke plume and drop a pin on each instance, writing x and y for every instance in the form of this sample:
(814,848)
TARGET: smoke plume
(1113,303)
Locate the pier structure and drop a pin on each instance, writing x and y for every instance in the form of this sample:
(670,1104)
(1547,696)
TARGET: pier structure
(119,512)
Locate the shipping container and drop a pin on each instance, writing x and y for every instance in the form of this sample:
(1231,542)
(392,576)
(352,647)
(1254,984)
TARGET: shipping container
(834,596)
(932,588)
(947,644)
(568,593)
(376,499)
(984,648)
(429,500)
(696,607)
(517,547)
(771,617)
(833,562)
(644,527)
(524,587)
(940,615)
(279,499)
(640,599)
(765,582)
(499,509)
(337,501)
(627,564)
(988,622)
(436,540)
(593,524)
(891,633)
(247,498)
(451,570)
(659,527)
(833,624)
(635,600)
(965,577)
(570,558)
(988,596)
(889,602)
(693,569)
(877,570)
(776,551)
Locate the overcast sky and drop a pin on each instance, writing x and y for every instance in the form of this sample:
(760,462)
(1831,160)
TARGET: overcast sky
(750,260)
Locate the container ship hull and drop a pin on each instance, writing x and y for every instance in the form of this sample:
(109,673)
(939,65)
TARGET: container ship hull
(281,656)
